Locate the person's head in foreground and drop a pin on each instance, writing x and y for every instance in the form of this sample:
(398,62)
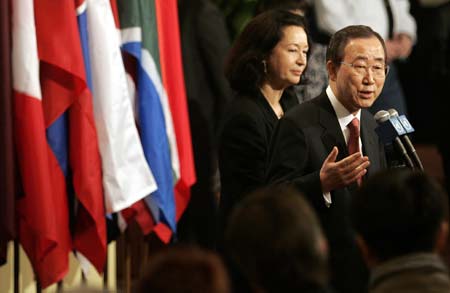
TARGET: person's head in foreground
(275,239)
(184,269)
(401,222)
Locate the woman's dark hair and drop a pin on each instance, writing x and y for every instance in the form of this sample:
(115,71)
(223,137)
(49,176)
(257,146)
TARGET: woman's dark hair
(244,68)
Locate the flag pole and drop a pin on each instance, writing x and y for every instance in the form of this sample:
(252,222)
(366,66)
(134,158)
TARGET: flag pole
(105,271)
(16,264)
(127,262)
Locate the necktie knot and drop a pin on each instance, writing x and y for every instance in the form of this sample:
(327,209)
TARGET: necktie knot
(353,139)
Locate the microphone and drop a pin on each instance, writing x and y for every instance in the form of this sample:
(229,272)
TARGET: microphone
(408,129)
(389,130)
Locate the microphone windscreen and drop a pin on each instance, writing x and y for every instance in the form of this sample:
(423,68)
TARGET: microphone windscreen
(405,123)
(389,130)
(397,127)
(403,120)
(381,116)
(393,112)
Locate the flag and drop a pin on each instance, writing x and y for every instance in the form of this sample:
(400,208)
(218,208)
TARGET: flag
(62,110)
(7,167)
(140,213)
(139,40)
(173,80)
(42,211)
(126,175)
(90,224)
(71,133)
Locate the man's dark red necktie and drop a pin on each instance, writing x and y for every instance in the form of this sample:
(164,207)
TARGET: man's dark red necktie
(353,139)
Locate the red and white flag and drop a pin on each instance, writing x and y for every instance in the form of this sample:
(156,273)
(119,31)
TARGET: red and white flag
(42,211)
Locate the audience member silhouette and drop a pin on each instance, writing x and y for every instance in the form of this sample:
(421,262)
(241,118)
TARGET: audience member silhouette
(184,269)
(401,220)
(275,240)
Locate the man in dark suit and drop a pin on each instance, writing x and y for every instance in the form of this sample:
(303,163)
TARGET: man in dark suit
(326,146)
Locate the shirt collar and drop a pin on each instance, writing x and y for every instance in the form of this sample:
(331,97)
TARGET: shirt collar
(401,264)
(343,115)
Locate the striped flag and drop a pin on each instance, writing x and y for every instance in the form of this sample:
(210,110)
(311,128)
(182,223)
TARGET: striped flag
(139,40)
(173,80)
(71,133)
(90,224)
(126,175)
(61,140)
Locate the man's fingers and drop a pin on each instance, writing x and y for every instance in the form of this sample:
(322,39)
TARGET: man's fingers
(358,162)
(353,168)
(353,160)
(359,174)
(331,158)
(362,166)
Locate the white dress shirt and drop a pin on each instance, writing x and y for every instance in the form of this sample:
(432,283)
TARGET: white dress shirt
(344,118)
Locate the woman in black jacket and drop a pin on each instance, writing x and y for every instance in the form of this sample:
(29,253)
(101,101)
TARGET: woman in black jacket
(267,58)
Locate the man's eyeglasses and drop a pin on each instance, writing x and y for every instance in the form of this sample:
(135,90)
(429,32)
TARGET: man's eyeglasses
(378,70)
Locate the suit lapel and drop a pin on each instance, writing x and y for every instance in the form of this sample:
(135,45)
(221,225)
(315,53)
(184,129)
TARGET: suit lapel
(370,143)
(332,134)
